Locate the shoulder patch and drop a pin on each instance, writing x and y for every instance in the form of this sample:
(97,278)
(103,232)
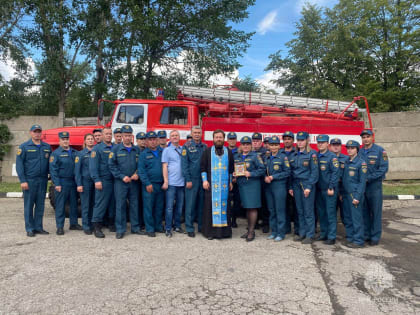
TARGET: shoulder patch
(51,158)
(184,152)
(19,152)
(260,159)
(364,167)
(286,161)
(76,160)
(93,154)
(315,158)
(111,154)
(385,156)
(335,162)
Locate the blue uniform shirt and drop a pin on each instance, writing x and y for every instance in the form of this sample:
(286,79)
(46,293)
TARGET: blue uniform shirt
(354,177)
(62,166)
(81,167)
(191,157)
(278,166)
(32,160)
(329,168)
(150,166)
(377,162)
(305,168)
(172,156)
(123,161)
(98,162)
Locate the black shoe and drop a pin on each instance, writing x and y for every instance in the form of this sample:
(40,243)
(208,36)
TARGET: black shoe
(30,234)
(234,224)
(98,231)
(76,227)
(160,231)
(191,234)
(88,232)
(373,243)
(266,229)
(319,238)
(112,228)
(329,242)
(119,235)
(42,232)
(298,238)
(308,240)
(168,234)
(244,235)
(60,231)
(139,232)
(210,238)
(250,237)
(353,245)
(179,230)
(151,234)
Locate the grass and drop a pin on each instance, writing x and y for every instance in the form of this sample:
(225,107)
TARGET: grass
(407,187)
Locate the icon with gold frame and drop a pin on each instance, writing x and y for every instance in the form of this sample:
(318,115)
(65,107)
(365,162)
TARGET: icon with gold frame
(240,169)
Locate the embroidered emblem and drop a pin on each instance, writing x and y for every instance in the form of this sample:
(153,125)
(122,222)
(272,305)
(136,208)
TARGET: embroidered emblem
(93,154)
(184,152)
(364,168)
(276,167)
(335,162)
(51,159)
(19,151)
(76,160)
(385,156)
(351,173)
(111,154)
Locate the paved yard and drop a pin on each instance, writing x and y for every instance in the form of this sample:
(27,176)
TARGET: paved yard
(80,274)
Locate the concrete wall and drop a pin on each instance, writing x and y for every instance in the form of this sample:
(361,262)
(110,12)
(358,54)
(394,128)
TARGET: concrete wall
(398,133)
(19,127)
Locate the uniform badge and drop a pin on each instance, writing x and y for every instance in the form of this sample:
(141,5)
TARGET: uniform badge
(335,162)
(93,154)
(342,165)
(305,163)
(372,162)
(364,168)
(323,167)
(351,173)
(276,167)
(260,159)
(111,154)
(314,158)
(19,152)
(76,160)
(47,155)
(184,152)
(286,161)
(385,156)
(51,159)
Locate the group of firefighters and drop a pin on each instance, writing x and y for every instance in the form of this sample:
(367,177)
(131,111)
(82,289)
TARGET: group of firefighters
(276,185)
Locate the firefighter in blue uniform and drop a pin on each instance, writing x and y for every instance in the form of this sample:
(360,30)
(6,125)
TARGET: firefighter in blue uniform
(263,213)
(62,175)
(104,184)
(163,138)
(377,164)
(354,183)
(276,178)
(335,147)
(151,176)
(304,164)
(32,168)
(249,184)
(194,192)
(141,141)
(326,191)
(291,211)
(123,165)
(85,184)
(141,145)
(117,136)
(235,199)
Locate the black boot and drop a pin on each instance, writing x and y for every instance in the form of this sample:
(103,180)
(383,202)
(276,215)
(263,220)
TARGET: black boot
(98,231)
(234,224)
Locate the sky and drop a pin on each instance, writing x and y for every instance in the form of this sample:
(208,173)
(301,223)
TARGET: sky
(273,21)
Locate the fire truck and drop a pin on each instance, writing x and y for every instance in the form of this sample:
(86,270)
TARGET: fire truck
(229,110)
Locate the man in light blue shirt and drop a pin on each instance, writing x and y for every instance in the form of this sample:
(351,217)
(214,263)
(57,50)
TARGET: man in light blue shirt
(173,183)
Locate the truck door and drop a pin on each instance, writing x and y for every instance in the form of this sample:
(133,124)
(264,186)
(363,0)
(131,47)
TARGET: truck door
(134,115)
(175,118)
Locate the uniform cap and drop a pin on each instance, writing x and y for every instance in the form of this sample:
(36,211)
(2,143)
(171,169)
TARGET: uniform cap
(117,130)
(97,130)
(274,140)
(302,135)
(352,143)
(189,136)
(126,129)
(322,138)
(141,135)
(266,139)
(366,132)
(151,134)
(232,135)
(162,134)
(246,139)
(289,134)
(63,134)
(335,141)
(256,136)
(35,127)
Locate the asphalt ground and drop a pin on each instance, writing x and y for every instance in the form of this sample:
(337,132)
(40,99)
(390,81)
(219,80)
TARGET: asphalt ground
(79,274)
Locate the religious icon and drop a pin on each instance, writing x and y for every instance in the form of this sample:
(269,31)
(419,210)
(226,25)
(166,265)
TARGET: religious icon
(240,169)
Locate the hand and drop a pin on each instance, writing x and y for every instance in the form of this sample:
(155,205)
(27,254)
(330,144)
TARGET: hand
(267,179)
(126,179)
(306,193)
(355,202)
(247,174)
(58,188)
(24,186)
(206,185)
(80,189)
(135,177)
(98,185)
(188,185)
(230,186)
(165,185)
(330,192)
(291,192)
(341,198)
(149,188)
(233,179)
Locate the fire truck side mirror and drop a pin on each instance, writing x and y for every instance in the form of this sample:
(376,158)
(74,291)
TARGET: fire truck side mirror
(101,110)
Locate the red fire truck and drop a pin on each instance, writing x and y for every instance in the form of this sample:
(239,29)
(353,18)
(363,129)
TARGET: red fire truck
(229,110)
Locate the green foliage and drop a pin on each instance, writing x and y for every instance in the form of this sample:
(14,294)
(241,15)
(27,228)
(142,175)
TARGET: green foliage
(365,48)
(247,84)
(5,137)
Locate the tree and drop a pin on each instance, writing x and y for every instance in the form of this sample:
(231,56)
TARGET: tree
(247,84)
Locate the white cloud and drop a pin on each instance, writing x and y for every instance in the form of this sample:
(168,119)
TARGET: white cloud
(268,23)
(7,68)
(265,81)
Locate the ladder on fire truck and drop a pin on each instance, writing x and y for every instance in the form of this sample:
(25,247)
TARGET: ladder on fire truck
(279,101)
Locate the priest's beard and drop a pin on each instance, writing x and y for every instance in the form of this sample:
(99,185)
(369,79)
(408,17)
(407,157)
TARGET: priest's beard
(218,145)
